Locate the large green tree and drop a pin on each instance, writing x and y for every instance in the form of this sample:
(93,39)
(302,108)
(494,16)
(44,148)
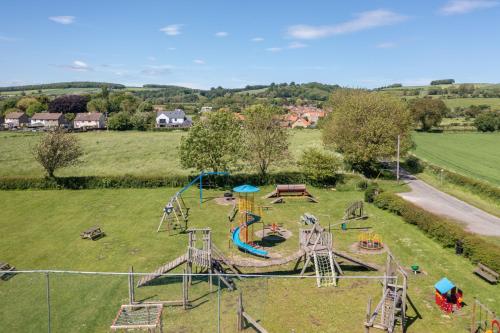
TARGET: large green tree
(364,126)
(213,143)
(265,141)
(427,112)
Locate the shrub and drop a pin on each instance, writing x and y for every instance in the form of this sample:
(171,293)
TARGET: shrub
(320,167)
(362,184)
(442,230)
(413,164)
(120,122)
(371,192)
(487,121)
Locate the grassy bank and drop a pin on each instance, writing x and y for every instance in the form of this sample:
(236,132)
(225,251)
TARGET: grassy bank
(121,153)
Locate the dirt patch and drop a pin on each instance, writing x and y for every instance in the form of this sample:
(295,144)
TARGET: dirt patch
(224,201)
(354,248)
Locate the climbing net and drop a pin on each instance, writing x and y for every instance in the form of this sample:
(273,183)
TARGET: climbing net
(144,316)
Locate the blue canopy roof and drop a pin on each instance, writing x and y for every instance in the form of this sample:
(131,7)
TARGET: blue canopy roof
(444,285)
(246,189)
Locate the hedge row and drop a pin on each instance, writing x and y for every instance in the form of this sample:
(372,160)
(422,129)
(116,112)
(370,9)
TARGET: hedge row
(475,186)
(444,231)
(128,181)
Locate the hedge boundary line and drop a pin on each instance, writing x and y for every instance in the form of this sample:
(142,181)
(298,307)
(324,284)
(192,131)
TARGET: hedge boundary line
(442,230)
(475,186)
(130,181)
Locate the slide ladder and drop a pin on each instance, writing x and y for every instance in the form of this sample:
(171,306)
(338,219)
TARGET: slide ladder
(162,270)
(325,270)
(245,246)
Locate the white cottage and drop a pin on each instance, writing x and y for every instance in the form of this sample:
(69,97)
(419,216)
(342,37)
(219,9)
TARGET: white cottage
(89,120)
(176,118)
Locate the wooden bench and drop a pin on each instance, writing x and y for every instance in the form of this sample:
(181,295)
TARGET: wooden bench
(6,271)
(487,273)
(93,233)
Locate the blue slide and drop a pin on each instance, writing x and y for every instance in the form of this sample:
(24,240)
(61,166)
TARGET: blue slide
(244,246)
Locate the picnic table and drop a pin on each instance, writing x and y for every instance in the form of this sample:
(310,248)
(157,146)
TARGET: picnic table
(93,233)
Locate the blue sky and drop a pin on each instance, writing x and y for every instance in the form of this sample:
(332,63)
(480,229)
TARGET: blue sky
(364,43)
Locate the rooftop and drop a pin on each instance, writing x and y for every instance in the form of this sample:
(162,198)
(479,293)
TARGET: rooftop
(91,116)
(46,116)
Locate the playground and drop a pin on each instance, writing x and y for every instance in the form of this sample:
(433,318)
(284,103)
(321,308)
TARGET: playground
(278,300)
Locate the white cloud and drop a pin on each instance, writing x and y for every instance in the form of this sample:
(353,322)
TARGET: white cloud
(79,66)
(221,34)
(199,61)
(257,39)
(296,45)
(386,45)
(172,29)
(274,49)
(62,19)
(154,70)
(454,7)
(363,21)
(172,48)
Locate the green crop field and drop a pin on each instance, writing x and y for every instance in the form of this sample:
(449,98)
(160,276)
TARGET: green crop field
(494,103)
(471,154)
(41,231)
(120,153)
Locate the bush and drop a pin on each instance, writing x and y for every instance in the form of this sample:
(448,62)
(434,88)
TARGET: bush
(487,121)
(320,167)
(413,165)
(371,192)
(362,184)
(120,122)
(444,231)
(142,121)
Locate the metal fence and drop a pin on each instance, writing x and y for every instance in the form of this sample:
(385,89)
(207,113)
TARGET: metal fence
(71,301)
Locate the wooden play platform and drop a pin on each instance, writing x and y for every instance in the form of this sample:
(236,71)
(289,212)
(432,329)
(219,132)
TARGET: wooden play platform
(290,190)
(139,317)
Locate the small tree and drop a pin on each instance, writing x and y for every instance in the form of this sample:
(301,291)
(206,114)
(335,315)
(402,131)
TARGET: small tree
(266,142)
(487,121)
(364,127)
(428,112)
(213,143)
(120,122)
(98,105)
(320,166)
(34,108)
(57,150)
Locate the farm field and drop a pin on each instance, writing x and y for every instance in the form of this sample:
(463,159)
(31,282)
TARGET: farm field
(50,222)
(120,153)
(465,102)
(471,154)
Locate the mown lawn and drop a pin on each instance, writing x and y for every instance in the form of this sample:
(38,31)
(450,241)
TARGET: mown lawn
(120,153)
(472,154)
(41,231)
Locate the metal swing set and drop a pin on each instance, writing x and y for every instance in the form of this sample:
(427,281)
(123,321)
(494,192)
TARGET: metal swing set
(176,212)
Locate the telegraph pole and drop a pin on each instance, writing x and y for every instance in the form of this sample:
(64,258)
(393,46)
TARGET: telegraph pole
(397,161)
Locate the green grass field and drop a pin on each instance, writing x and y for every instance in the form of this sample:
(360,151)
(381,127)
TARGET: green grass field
(465,102)
(471,154)
(41,231)
(120,153)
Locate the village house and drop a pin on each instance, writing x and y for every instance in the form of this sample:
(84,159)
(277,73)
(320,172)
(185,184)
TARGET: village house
(48,119)
(302,123)
(89,120)
(16,119)
(176,118)
(206,109)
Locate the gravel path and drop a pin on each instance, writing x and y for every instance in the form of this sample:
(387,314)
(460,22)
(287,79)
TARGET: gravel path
(440,203)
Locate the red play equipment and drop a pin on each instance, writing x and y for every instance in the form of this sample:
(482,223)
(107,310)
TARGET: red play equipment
(448,297)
